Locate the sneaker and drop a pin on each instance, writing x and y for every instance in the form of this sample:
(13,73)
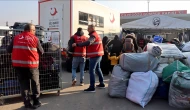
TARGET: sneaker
(100,86)
(36,104)
(74,82)
(89,90)
(81,84)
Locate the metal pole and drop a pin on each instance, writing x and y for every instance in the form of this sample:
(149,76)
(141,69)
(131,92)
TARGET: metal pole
(148,5)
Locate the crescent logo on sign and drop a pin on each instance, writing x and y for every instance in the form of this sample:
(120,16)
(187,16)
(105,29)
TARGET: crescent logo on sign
(53,11)
(21,37)
(112,18)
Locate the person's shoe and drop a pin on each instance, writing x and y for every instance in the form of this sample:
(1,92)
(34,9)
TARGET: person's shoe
(74,82)
(101,86)
(36,104)
(30,106)
(90,90)
(81,84)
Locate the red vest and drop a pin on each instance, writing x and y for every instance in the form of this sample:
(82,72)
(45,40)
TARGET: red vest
(24,52)
(79,51)
(95,49)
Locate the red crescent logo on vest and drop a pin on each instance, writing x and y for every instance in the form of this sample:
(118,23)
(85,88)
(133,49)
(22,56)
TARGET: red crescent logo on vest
(53,11)
(112,18)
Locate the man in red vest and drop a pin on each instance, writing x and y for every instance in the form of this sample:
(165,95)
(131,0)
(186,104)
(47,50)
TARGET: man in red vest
(79,56)
(95,52)
(25,49)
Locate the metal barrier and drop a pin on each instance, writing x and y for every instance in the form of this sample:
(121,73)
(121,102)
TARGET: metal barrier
(49,67)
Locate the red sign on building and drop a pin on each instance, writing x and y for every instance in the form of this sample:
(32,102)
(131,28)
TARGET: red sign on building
(153,13)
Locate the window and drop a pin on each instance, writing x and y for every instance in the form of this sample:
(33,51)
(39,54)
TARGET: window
(85,19)
(101,21)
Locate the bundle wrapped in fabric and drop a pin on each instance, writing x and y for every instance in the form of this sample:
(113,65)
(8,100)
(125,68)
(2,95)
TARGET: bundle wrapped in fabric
(118,82)
(138,62)
(159,70)
(179,93)
(154,49)
(187,55)
(186,47)
(170,52)
(142,86)
(173,67)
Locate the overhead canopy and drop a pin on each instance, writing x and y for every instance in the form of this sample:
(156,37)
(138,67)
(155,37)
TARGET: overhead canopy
(157,22)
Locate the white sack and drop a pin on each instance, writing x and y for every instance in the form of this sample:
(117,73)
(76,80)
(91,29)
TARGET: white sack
(187,54)
(154,49)
(186,48)
(138,62)
(141,87)
(118,82)
(169,51)
(159,70)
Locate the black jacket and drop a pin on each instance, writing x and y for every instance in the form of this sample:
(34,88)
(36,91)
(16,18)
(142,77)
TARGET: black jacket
(116,46)
(72,40)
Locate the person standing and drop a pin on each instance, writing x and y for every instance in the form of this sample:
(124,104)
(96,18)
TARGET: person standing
(79,56)
(95,52)
(132,36)
(25,49)
(116,45)
(105,61)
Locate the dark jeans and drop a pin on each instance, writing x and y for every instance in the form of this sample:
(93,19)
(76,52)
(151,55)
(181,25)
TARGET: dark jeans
(27,76)
(111,68)
(94,66)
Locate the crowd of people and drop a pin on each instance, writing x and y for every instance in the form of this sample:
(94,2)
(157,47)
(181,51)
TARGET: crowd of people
(103,55)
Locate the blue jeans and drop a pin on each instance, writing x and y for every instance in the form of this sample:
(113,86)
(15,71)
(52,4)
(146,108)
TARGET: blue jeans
(94,65)
(75,63)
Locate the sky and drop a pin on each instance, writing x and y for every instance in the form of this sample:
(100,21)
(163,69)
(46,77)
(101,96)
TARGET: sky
(25,11)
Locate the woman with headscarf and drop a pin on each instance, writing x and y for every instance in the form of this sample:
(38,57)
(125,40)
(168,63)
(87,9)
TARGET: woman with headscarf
(132,36)
(116,45)
(105,61)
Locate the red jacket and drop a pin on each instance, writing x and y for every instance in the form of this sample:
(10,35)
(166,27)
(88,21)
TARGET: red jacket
(24,52)
(95,49)
(79,51)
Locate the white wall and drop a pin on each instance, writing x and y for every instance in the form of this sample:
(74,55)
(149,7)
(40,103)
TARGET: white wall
(99,10)
(86,6)
(63,9)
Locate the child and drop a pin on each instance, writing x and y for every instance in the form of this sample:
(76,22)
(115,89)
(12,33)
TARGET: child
(114,60)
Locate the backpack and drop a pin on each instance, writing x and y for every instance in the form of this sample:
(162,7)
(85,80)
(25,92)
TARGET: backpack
(128,46)
(70,47)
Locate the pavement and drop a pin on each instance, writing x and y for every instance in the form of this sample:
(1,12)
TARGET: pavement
(73,98)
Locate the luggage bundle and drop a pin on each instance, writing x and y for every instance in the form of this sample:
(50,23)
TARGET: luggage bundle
(138,62)
(148,75)
(133,78)
(118,82)
(179,94)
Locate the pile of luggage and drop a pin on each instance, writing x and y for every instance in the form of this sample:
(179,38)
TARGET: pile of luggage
(49,68)
(158,73)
